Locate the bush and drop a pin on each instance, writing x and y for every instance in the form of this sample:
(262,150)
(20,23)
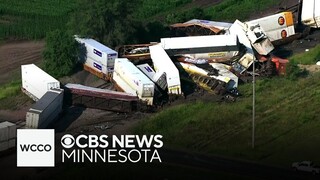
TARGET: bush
(179,17)
(294,71)
(60,54)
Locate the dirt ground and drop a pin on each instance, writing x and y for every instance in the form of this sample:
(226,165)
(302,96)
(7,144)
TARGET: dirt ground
(14,54)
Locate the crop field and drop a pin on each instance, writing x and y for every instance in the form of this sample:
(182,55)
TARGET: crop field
(229,10)
(31,19)
(149,8)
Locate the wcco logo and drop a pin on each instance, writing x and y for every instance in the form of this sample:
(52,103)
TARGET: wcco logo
(35,148)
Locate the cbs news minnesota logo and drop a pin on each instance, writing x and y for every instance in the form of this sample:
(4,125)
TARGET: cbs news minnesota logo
(35,148)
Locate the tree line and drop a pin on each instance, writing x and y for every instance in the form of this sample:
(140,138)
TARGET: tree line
(104,20)
(110,22)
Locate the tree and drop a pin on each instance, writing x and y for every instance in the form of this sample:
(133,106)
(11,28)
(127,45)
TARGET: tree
(60,54)
(107,21)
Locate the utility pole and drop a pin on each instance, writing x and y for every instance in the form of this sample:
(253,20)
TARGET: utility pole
(253,104)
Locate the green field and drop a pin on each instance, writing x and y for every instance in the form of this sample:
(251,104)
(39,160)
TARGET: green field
(150,8)
(230,10)
(287,122)
(31,19)
(310,57)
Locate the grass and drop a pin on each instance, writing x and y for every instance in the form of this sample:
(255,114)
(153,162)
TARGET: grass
(149,8)
(11,97)
(31,19)
(308,58)
(35,7)
(10,89)
(230,10)
(287,122)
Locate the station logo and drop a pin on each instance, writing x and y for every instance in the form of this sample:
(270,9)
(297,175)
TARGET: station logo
(35,148)
(114,149)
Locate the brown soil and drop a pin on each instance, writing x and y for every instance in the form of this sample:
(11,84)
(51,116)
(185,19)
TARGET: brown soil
(310,68)
(14,54)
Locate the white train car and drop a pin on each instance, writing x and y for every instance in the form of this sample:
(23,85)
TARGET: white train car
(310,14)
(99,59)
(163,64)
(8,135)
(247,59)
(158,78)
(36,82)
(131,80)
(200,44)
(277,26)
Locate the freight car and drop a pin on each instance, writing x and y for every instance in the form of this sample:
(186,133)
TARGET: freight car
(77,94)
(46,110)
(98,59)
(278,26)
(310,15)
(36,82)
(128,78)
(8,135)
(163,64)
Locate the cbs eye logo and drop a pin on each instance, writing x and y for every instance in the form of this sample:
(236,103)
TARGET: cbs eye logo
(67,141)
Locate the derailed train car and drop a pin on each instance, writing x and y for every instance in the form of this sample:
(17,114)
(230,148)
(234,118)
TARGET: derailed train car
(80,95)
(128,78)
(163,64)
(46,110)
(97,58)
(36,82)
(310,15)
